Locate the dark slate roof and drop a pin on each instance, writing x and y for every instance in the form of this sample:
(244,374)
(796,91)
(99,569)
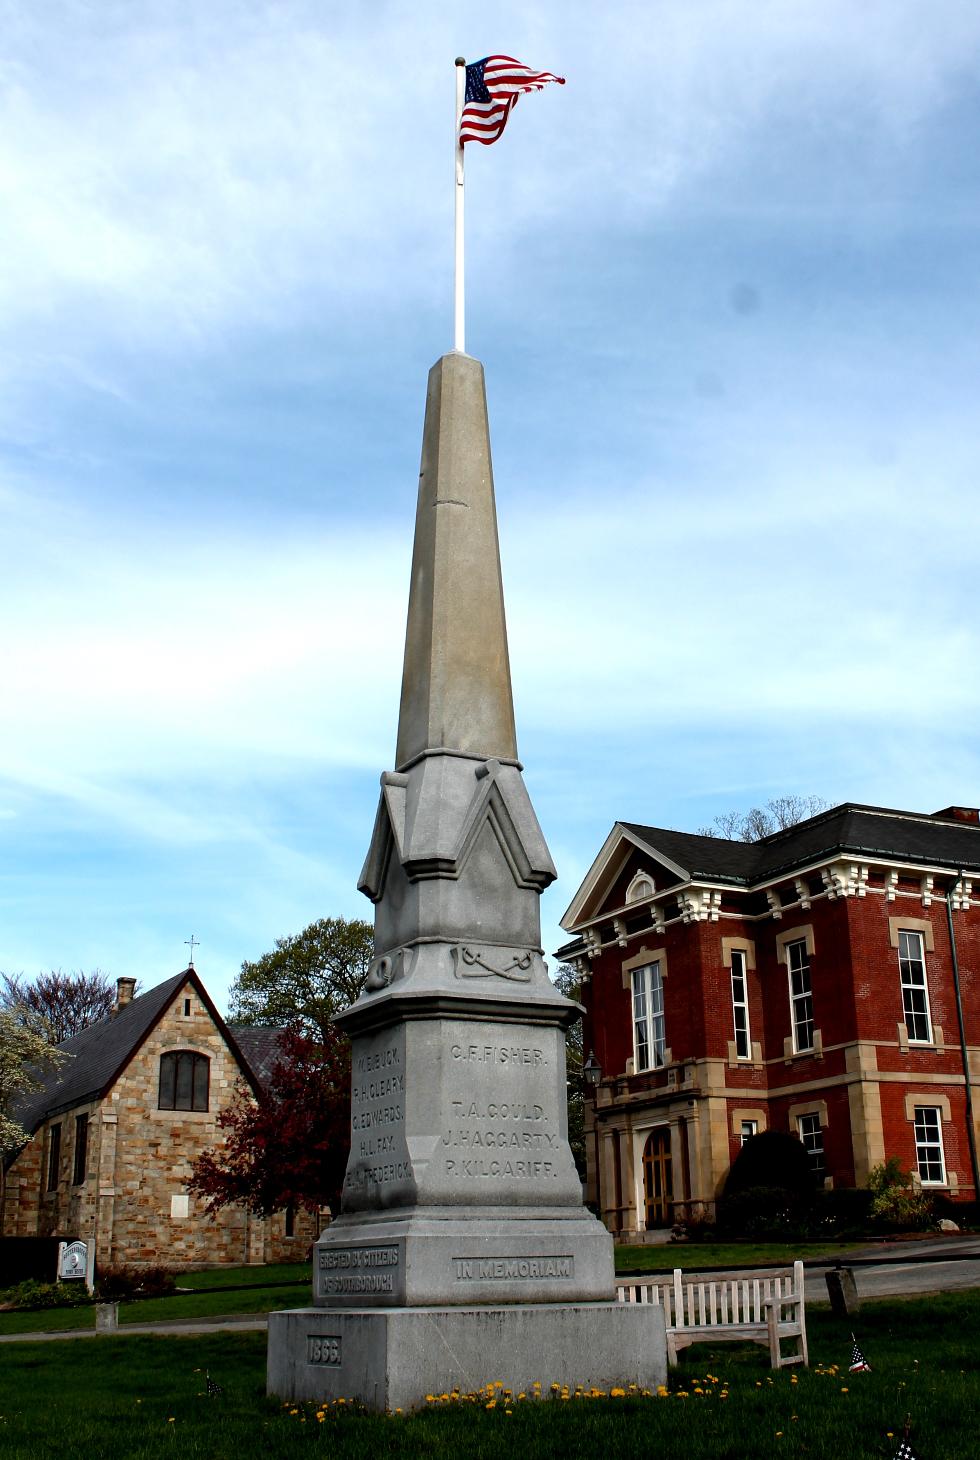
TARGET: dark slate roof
(260,1048)
(699,856)
(854,830)
(98,1054)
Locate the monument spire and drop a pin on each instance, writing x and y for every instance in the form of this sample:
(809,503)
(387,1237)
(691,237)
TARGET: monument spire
(462,1250)
(456,691)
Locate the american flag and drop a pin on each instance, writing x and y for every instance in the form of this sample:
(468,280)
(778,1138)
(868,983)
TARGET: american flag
(859,1364)
(213,1388)
(905,1451)
(492,88)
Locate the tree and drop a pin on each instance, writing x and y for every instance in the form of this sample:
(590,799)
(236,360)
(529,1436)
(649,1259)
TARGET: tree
(59,1005)
(772,1159)
(288,1145)
(568,982)
(776,815)
(307,978)
(25,1055)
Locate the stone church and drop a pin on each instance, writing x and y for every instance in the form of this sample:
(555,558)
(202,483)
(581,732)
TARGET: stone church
(116,1129)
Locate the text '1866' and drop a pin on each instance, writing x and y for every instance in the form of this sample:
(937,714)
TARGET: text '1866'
(322,1350)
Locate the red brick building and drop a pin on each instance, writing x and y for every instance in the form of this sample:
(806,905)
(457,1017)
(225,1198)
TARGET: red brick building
(823,981)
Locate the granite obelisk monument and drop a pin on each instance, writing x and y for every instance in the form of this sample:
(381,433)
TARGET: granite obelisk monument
(463,1252)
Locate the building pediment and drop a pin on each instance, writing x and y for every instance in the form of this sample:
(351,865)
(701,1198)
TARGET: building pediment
(615,879)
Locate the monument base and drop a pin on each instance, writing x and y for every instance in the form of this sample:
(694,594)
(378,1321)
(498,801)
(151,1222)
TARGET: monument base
(391,1358)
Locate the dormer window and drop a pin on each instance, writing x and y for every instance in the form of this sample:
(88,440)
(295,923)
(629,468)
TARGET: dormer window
(641,887)
(184,1078)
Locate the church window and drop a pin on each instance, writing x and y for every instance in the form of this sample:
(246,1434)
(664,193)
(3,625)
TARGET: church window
(649,1040)
(184,1080)
(54,1157)
(81,1150)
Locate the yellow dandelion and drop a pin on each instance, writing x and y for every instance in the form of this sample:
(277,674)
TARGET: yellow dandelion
(844,1389)
(508,1411)
(618,1393)
(779,1434)
(492,1404)
(170,1419)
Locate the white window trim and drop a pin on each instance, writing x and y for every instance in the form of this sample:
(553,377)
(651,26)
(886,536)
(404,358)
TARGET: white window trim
(797,1047)
(645,972)
(636,893)
(936,1110)
(813,1115)
(739,956)
(924,986)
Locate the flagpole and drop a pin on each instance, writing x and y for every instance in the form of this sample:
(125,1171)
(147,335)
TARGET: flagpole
(458,312)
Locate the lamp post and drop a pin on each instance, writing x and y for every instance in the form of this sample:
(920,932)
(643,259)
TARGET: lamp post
(592,1074)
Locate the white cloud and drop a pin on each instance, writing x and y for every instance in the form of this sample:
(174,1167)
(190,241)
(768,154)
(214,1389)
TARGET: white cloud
(170,176)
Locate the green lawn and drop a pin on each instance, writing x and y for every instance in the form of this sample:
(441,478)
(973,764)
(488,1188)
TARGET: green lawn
(138,1398)
(223,1291)
(722,1254)
(227,1277)
(211,1302)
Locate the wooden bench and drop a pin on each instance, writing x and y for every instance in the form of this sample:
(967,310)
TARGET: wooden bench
(763,1305)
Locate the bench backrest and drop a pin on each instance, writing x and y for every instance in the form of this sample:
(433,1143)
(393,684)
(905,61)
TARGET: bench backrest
(717,1299)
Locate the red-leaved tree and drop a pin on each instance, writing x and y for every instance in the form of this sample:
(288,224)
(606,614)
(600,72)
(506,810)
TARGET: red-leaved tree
(287,1146)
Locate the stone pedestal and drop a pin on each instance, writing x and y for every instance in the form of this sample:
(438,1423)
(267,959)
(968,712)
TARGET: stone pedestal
(461,1189)
(391,1358)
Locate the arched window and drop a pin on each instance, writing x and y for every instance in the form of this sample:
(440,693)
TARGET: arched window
(184,1080)
(642,886)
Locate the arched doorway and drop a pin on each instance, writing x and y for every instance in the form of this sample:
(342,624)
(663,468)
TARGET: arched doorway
(658,1187)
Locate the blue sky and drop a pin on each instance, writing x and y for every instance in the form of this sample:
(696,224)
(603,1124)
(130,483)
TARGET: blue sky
(724,284)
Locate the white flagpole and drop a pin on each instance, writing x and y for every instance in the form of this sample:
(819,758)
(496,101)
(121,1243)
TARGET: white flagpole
(459,320)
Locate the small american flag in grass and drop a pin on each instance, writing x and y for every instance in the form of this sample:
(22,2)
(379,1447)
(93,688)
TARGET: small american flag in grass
(859,1364)
(905,1450)
(492,88)
(213,1388)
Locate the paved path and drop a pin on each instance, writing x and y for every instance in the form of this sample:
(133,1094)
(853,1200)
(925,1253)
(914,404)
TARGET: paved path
(179,1328)
(893,1269)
